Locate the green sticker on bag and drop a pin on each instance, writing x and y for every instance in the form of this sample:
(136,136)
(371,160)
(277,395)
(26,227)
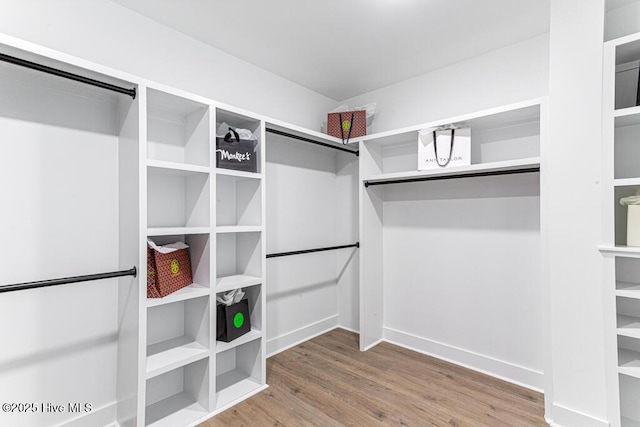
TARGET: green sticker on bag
(238,320)
(346,125)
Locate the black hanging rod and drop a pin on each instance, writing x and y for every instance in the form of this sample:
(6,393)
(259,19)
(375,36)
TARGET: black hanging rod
(302,138)
(308,251)
(67,75)
(453,176)
(53,282)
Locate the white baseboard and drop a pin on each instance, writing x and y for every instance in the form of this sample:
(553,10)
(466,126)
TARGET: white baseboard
(565,417)
(300,335)
(478,362)
(103,416)
(349,329)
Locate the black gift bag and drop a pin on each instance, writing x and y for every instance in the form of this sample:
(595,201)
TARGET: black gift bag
(232,321)
(235,153)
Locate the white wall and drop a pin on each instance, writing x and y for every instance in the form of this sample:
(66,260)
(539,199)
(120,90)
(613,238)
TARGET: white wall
(504,76)
(59,218)
(308,207)
(573,173)
(462,273)
(109,34)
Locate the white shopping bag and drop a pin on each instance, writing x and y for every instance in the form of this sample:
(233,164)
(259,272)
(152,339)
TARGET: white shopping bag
(452,147)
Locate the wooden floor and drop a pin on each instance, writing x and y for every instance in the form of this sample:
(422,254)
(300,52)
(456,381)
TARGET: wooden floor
(327,381)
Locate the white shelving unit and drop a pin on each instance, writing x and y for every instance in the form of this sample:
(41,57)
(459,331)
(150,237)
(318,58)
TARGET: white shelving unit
(504,140)
(180,195)
(240,365)
(621,178)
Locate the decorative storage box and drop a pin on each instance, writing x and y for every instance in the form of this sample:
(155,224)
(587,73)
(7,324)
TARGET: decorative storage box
(232,321)
(233,152)
(346,125)
(167,272)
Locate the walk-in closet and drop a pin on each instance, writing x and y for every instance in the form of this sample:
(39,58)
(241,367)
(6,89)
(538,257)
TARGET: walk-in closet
(345,213)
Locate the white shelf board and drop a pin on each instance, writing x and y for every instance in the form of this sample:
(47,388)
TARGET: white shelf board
(510,165)
(629,362)
(234,385)
(189,292)
(253,334)
(627,116)
(238,174)
(622,251)
(628,326)
(628,422)
(521,112)
(178,410)
(238,228)
(174,353)
(626,182)
(313,135)
(175,231)
(628,289)
(228,283)
(174,168)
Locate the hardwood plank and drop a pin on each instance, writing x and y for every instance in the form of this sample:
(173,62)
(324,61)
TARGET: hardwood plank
(328,381)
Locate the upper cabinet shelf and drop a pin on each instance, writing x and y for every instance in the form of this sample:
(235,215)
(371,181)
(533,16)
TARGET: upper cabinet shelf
(502,139)
(178,129)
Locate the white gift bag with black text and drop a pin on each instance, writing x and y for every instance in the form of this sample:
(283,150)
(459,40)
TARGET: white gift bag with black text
(444,147)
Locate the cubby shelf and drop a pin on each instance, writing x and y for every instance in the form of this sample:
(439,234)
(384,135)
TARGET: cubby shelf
(621,251)
(629,362)
(192,291)
(228,283)
(174,168)
(628,326)
(171,354)
(254,334)
(234,385)
(177,231)
(238,174)
(238,229)
(178,410)
(510,165)
(631,115)
(626,182)
(628,289)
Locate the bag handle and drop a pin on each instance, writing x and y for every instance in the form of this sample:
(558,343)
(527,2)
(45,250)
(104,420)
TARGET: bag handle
(342,128)
(227,137)
(435,147)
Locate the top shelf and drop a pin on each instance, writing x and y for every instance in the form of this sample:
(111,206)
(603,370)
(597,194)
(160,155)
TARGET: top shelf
(296,132)
(495,118)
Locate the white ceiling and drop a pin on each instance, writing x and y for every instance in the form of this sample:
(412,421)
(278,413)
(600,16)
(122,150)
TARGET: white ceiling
(343,48)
